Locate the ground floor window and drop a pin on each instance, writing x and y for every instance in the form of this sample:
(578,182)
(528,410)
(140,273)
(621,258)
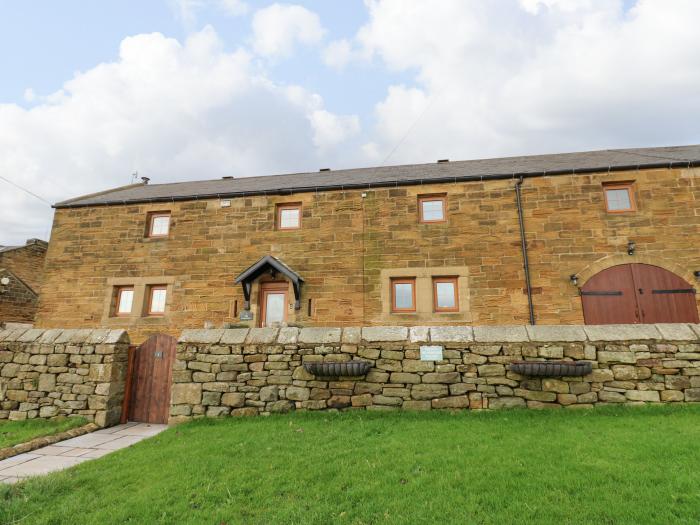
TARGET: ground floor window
(125,300)
(403,294)
(445,292)
(156,301)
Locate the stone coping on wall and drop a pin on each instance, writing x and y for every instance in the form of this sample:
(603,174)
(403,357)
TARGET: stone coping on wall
(444,334)
(86,336)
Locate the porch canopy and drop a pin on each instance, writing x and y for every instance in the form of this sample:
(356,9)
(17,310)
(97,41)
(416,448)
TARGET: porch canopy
(270,265)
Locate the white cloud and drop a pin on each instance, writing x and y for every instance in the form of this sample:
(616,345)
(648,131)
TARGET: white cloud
(338,53)
(279,27)
(173,111)
(331,130)
(526,76)
(233,7)
(187,10)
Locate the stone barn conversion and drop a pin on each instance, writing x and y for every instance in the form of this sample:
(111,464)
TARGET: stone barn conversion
(21,273)
(596,237)
(564,280)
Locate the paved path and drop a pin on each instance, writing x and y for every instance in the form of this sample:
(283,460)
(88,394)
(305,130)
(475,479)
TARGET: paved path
(72,451)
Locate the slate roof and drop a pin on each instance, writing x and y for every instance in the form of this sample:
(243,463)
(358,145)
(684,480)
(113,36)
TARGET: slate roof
(382,176)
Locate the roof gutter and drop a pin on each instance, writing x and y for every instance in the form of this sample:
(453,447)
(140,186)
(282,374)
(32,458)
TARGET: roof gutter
(391,183)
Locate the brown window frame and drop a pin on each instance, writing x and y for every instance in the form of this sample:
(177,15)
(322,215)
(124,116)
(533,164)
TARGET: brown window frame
(151,217)
(626,185)
(119,290)
(455,284)
(287,206)
(149,307)
(403,280)
(429,198)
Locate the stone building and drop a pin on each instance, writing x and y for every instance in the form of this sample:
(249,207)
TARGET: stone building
(595,237)
(21,273)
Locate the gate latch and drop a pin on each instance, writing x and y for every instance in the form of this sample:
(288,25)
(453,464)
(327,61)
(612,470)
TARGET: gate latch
(158,355)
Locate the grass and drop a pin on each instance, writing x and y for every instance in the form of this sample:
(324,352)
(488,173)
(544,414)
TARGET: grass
(14,432)
(633,465)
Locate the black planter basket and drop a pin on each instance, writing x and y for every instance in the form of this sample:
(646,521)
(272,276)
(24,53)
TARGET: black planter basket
(348,368)
(551,368)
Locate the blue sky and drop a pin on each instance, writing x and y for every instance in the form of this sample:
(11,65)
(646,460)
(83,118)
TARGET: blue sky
(194,89)
(58,39)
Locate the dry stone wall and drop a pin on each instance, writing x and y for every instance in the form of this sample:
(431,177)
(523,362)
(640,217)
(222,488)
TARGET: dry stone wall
(45,373)
(258,371)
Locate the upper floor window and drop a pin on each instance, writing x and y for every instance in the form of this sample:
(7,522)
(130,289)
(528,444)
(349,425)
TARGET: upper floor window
(288,216)
(403,295)
(125,300)
(445,295)
(158,224)
(431,208)
(619,197)
(156,300)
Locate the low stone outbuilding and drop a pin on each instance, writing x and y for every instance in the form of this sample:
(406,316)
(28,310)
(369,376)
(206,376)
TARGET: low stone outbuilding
(21,275)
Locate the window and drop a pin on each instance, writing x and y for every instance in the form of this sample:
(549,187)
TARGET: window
(619,197)
(156,301)
(431,208)
(288,216)
(158,224)
(403,295)
(445,295)
(125,300)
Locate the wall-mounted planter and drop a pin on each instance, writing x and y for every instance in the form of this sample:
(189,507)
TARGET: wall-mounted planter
(551,368)
(348,368)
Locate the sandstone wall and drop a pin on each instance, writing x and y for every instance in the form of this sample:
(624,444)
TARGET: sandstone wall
(17,301)
(346,241)
(26,262)
(245,372)
(44,373)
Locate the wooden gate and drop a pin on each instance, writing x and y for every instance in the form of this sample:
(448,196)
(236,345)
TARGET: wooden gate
(149,380)
(638,293)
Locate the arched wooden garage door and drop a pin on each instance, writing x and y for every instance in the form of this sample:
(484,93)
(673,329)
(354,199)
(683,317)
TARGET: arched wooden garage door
(638,293)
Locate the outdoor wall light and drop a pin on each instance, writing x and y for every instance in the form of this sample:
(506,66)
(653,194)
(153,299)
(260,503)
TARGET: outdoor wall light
(574,279)
(631,247)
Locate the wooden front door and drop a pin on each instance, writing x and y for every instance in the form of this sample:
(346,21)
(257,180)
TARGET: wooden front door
(273,303)
(150,376)
(638,293)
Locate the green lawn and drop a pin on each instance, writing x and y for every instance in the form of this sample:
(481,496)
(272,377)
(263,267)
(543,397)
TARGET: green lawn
(634,465)
(14,432)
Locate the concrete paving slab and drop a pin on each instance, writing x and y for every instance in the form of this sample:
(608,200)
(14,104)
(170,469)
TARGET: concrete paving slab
(73,451)
(10,480)
(16,460)
(118,428)
(121,442)
(88,440)
(142,430)
(42,465)
(52,450)
(94,453)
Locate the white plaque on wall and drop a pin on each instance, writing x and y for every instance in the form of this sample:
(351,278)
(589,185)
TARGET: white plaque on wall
(431,353)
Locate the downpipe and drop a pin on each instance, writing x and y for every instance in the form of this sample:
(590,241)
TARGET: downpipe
(523,246)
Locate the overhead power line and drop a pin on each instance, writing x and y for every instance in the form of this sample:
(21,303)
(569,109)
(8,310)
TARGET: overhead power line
(25,190)
(408,131)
